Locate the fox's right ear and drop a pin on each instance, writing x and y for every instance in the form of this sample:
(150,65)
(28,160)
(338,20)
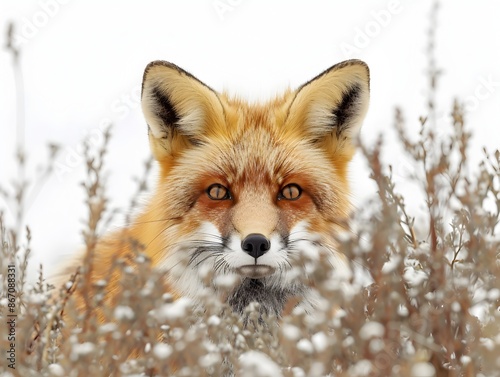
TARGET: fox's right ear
(177,107)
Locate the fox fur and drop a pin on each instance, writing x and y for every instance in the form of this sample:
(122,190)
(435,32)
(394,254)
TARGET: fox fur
(228,169)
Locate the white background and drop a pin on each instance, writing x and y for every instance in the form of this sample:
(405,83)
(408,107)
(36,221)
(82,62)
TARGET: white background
(83,63)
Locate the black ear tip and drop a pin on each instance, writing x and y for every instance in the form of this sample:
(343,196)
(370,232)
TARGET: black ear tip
(162,63)
(357,62)
(154,64)
(167,65)
(339,66)
(362,64)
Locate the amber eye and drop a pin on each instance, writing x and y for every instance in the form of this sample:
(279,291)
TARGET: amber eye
(218,192)
(290,192)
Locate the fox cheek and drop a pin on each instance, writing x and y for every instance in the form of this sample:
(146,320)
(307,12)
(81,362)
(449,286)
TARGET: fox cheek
(216,214)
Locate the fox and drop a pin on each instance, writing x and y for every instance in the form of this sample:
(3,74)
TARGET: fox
(243,187)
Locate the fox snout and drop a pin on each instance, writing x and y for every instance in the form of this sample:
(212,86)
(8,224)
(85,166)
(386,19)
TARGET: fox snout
(256,245)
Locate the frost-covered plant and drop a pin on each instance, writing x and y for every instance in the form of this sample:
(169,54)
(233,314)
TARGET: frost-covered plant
(426,302)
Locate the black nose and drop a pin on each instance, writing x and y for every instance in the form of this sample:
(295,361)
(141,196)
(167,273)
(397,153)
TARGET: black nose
(256,245)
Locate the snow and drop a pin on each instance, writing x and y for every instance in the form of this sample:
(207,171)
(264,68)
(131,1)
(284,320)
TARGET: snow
(376,345)
(291,332)
(347,342)
(37,298)
(340,313)
(371,330)
(320,341)
(56,370)
(174,311)
(82,349)
(257,364)
(465,359)
(317,369)
(209,360)
(361,368)
(480,295)
(493,294)
(349,290)
(391,264)
(403,311)
(423,369)
(213,320)
(298,372)
(298,311)
(123,313)
(414,277)
(107,328)
(487,343)
(167,297)
(240,341)
(308,251)
(162,351)
(101,283)
(128,369)
(429,296)
(305,346)
(128,270)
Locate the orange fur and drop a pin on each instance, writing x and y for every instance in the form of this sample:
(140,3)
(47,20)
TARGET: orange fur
(200,137)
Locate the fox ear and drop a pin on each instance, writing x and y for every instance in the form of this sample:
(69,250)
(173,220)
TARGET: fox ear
(333,103)
(177,107)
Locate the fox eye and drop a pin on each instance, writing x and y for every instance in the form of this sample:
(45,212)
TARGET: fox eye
(218,192)
(290,192)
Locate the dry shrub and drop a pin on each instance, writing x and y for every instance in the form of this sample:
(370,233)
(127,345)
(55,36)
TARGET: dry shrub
(430,308)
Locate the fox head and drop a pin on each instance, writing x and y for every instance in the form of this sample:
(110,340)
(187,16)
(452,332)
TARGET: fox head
(243,188)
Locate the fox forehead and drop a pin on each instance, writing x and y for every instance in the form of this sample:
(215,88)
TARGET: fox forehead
(251,146)
(257,157)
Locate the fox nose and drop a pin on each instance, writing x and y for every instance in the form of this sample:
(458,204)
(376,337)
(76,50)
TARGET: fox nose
(255,245)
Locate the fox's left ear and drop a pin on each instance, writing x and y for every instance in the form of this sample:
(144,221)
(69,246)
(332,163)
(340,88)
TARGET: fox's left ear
(333,103)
